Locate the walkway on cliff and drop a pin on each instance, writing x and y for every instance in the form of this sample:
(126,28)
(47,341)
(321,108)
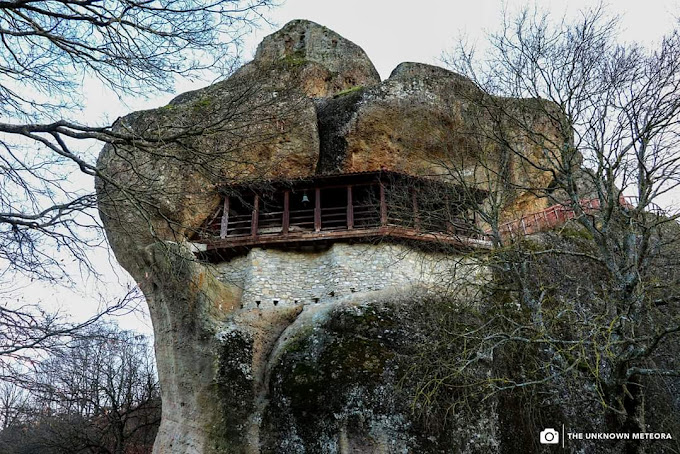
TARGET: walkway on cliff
(557,215)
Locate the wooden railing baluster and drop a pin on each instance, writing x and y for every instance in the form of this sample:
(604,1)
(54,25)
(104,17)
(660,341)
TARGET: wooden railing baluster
(224,223)
(350,208)
(256,215)
(285,224)
(317,210)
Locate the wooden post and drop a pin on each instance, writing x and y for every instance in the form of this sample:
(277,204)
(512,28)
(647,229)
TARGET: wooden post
(256,216)
(224,224)
(317,209)
(350,208)
(285,224)
(383,205)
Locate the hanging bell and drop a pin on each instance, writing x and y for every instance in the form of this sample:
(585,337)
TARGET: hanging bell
(305,199)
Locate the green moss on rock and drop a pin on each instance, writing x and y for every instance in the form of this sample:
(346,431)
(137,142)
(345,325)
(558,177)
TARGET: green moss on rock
(234,387)
(348,91)
(340,386)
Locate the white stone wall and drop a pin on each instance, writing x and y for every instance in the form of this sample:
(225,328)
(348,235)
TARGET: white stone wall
(300,278)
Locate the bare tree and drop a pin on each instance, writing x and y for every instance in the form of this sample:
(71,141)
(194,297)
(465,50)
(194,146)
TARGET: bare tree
(48,220)
(13,402)
(100,394)
(48,48)
(588,314)
(29,333)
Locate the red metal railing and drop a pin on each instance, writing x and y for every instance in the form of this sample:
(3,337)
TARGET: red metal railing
(557,215)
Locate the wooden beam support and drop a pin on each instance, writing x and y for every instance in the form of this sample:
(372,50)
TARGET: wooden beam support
(302,237)
(256,216)
(224,223)
(285,224)
(350,208)
(317,209)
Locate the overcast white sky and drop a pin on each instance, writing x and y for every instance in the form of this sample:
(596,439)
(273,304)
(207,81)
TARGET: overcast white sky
(393,31)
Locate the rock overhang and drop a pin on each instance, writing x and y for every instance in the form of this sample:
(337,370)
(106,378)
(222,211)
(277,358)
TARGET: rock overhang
(310,102)
(305,106)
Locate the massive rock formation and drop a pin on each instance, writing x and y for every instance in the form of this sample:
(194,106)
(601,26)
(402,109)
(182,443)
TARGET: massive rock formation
(318,376)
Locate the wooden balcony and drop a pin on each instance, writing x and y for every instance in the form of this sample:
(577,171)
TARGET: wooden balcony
(351,207)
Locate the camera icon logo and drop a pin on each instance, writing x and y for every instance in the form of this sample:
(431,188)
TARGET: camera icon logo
(549,436)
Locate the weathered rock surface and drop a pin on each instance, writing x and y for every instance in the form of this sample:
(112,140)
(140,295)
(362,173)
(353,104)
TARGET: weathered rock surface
(297,378)
(425,120)
(334,63)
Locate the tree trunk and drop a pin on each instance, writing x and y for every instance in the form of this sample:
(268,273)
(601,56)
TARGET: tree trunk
(119,437)
(628,397)
(633,403)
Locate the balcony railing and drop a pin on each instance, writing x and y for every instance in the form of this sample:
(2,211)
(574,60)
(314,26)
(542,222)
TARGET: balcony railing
(354,210)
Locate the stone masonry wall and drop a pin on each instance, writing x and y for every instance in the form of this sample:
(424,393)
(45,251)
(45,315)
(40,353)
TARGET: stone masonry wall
(270,277)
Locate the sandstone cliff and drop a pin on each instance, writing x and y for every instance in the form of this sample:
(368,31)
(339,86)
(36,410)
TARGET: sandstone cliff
(313,377)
